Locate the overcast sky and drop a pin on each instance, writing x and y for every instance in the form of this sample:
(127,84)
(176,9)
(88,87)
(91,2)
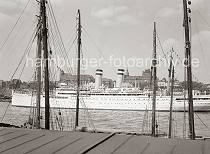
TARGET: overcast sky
(117,28)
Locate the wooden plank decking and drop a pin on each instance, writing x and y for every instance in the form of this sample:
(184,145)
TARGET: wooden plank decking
(24,141)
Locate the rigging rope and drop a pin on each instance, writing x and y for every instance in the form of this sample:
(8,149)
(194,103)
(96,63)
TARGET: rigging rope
(57,29)
(202,121)
(53,77)
(201,47)
(93,42)
(56,45)
(21,60)
(26,51)
(90,121)
(204,19)
(72,43)
(164,54)
(18,19)
(177,55)
(56,36)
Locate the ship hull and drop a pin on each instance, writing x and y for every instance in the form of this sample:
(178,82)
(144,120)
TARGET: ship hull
(111,102)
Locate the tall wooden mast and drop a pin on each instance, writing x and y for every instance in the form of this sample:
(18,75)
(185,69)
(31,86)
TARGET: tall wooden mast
(187,21)
(154,78)
(171,104)
(169,74)
(46,71)
(78,68)
(38,74)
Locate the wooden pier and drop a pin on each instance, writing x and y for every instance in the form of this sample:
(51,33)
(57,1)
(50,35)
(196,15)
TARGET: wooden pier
(23,141)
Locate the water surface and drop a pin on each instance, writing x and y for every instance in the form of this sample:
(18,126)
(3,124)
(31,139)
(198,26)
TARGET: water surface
(110,120)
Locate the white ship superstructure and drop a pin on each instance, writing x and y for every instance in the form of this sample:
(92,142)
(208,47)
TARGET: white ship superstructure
(111,99)
(117,98)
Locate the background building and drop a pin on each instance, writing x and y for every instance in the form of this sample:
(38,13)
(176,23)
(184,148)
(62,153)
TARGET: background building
(70,79)
(109,83)
(138,81)
(162,84)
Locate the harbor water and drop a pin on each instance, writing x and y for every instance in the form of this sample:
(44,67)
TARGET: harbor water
(111,121)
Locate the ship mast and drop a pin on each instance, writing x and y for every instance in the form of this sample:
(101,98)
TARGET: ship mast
(78,69)
(187,21)
(169,75)
(38,74)
(171,104)
(154,79)
(46,71)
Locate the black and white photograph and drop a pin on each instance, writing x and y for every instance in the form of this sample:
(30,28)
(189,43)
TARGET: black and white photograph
(104,76)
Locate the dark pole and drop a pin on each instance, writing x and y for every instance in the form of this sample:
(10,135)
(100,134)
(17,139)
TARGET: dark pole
(46,71)
(78,69)
(187,20)
(38,71)
(169,74)
(171,104)
(151,74)
(154,77)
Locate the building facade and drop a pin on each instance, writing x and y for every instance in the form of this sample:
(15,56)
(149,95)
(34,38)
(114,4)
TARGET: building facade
(138,81)
(70,79)
(109,83)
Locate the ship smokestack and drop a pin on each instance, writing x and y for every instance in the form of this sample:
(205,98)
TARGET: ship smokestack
(98,80)
(120,76)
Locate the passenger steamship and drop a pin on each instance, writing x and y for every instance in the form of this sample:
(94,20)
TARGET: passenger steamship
(117,98)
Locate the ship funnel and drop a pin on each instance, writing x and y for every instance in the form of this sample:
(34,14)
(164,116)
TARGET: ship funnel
(98,80)
(120,76)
